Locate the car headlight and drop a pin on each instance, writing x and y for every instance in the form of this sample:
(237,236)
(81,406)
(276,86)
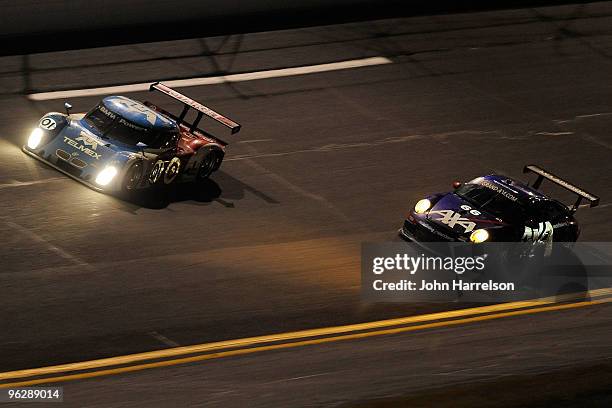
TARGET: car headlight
(478,236)
(422,206)
(35,138)
(106,176)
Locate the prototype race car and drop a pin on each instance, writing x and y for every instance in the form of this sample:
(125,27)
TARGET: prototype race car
(122,144)
(496,208)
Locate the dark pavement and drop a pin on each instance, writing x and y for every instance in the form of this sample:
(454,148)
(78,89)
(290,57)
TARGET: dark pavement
(545,360)
(324,162)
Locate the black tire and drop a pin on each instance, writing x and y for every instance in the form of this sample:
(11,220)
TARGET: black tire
(208,164)
(133,176)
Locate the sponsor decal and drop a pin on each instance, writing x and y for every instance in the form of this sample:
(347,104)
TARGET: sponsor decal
(131,125)
(48,123)
(137,107)
(434,231)
(172,170)
(107,112)
(197,106)
(542,233)
(158,170)
(452,219)
(498,190)
(86,140)
(562,182)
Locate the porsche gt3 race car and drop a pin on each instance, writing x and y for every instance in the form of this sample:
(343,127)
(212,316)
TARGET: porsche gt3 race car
(496,208)
(122,144)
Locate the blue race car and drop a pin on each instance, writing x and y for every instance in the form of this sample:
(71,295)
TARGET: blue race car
(122,144)
(496,208)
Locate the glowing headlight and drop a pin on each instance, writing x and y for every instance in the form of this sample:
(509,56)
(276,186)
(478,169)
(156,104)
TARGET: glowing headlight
(422,206)
(479,236)
(106,175)
(35,138)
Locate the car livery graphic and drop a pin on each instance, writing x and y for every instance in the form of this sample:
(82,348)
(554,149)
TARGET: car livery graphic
(496,208)
(122,144)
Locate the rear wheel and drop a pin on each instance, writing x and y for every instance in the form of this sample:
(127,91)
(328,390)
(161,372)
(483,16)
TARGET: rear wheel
(208,165)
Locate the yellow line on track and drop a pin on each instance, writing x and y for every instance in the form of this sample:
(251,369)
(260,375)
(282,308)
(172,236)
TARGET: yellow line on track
(249,341)
(354,336)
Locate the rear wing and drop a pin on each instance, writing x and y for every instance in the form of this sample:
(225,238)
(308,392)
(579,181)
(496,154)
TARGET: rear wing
(191,104)
(543,174)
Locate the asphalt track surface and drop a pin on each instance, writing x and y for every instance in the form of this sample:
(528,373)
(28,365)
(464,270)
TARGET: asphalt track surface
(324,162)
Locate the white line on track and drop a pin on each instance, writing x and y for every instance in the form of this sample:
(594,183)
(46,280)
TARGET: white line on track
(163,339)
(183,83)
(591,115)
(293,187)
(254,141)
(302,377)
(31,183)
(599,206)
(370,143)
(554,133)
(36,238)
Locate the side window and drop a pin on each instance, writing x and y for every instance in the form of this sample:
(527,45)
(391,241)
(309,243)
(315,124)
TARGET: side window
(550,211)
(166,140)
(559,210)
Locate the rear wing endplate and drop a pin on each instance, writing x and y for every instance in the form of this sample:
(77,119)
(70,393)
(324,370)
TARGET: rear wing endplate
(543,174)
(190,103)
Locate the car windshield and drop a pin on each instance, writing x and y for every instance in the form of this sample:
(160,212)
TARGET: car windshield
(492,201)
(100,118)
(113,126)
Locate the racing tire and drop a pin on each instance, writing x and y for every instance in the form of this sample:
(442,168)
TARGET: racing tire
(133,176)
(209,163)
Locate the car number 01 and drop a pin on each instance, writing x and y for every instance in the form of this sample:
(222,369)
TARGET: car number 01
(48,123)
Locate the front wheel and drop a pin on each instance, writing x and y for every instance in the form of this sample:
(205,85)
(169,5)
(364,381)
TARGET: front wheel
(133,176)
(210,163)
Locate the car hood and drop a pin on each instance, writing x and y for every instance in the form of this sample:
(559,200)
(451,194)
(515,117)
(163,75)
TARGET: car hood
(79,141)
(84,152)
(462,217)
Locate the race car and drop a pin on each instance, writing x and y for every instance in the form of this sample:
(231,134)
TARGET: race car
(122,144)
(496,208)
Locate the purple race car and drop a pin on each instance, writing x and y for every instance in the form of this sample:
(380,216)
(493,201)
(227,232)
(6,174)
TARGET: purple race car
(496,208)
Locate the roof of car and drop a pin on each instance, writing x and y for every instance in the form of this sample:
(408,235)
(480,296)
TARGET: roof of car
(511,188)
(137,113)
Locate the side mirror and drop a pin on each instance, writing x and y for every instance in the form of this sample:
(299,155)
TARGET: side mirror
(67,106)
(457,184)
(142,147)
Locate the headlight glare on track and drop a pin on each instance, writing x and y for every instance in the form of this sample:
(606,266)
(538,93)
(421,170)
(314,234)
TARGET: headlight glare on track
(35,138)
(478,236)
(422,206)
(106,176)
